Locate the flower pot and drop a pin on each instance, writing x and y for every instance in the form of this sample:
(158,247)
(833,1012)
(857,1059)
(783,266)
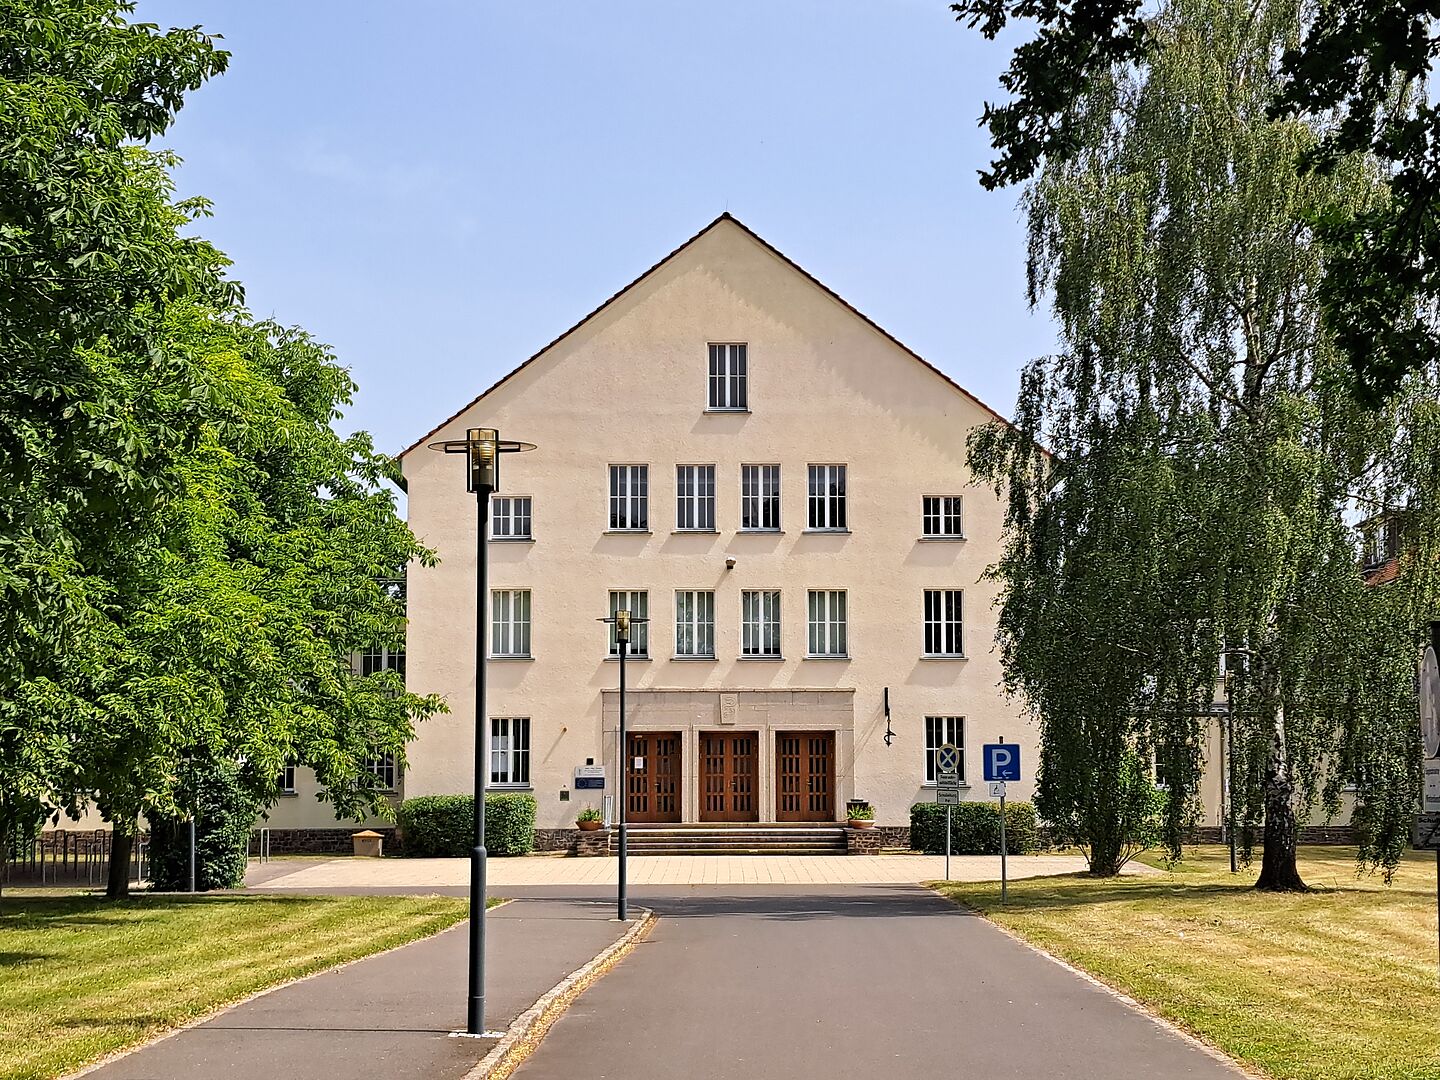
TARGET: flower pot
(862,823)
(588,826)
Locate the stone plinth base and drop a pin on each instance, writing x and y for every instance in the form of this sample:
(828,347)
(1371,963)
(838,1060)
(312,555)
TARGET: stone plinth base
(593,843)
(864,841)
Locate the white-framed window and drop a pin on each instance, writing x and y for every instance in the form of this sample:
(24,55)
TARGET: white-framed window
(940,730)
(510,622)
(382,659)
(727,376)
(510,751)
(638,604)
(629,498)
(827,622)
(383,766)
(695,498)
(285,782)
(827,497)
(944,622)
(510,517)
(760,498)
(941,516)
(760,623)
(695,623)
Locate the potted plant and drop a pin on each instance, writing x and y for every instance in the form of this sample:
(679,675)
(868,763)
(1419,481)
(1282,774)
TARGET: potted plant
(589,819)
(862,816)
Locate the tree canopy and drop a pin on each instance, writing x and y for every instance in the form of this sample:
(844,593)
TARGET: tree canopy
(1357,67)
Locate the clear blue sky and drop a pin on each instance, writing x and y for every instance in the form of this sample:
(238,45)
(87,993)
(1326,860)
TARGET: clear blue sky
(438,188)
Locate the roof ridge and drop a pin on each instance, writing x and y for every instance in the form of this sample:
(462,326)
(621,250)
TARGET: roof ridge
(772,249)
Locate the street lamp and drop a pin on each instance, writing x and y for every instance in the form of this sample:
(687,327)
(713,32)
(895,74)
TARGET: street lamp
(482,448)
(622,621)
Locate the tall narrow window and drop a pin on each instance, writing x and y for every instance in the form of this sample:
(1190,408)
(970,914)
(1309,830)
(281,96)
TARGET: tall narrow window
(760,623)
(382,767)
(510,622)
(727,377)
(510,517)
(940,517)
(943,622)
(285,782)
(940,730)
(695,623)
(695,498)
(510,750)
(629,498)
(827,497)
(827,622)
(638,604)
(760,498)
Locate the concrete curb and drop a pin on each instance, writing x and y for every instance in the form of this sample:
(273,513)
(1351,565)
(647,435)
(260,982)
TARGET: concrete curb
(1160,1020)
(531,1026)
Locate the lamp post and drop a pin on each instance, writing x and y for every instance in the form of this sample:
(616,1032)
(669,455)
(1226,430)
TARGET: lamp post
(622,620)
(482,448)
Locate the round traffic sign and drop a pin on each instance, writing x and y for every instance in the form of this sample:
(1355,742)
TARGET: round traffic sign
(947,758)
(1430,702)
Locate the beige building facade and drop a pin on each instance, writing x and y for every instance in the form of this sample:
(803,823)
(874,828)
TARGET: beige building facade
(729,449)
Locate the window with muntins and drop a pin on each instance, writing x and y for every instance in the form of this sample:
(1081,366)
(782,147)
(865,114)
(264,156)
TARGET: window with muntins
(727,377)
(695,498)
(629,498)
(510,751)
(827,497)
(940,516)
(638,604)
(383,767)
(940,730)
(695,623)
(510,622)
(827,622)
(944,613)
(285,782)
(760,498)
(760,623)
(510,517)
(382,659)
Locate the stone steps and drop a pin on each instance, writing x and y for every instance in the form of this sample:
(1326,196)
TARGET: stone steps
(733,840)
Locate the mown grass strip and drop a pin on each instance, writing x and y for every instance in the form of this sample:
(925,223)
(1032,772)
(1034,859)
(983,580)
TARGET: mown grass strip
(1336,984)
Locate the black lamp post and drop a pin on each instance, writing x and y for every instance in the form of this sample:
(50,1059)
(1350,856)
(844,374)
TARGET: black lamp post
(482,448)
(622,621)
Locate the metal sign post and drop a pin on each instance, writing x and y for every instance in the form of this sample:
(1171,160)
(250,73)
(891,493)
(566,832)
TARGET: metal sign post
(1002,763)
(947,789)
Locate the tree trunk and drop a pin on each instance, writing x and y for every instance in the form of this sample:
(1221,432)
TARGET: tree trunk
(122,842)
(1278,872)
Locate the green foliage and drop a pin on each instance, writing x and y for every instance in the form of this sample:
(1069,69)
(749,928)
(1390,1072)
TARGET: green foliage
(974,828)
(224,810)
(862,812)
(441,826)
(1209,465)
(1115,822)
(1358,74)
(589,814)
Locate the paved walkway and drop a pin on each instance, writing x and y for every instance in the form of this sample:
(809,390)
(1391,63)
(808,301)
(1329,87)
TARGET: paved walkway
(660,870)
(858,981)
(388,1017)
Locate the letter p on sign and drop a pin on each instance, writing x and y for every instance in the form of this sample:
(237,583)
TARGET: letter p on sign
(1001,761)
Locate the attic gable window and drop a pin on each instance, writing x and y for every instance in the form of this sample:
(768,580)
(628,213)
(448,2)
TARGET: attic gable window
(727,377)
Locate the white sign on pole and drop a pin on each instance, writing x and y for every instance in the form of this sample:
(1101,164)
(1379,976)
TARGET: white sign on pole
(997,789)
(947,775)
(1430,727)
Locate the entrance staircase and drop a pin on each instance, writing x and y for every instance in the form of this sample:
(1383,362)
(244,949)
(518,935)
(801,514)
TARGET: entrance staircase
(733,839)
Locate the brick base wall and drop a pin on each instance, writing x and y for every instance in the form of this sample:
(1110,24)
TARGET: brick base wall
(893,836)
(555,839)
(591,844)
(1309,834)
(320,841)
(863,841)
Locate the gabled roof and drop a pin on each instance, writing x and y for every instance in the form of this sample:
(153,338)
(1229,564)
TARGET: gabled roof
(727,216)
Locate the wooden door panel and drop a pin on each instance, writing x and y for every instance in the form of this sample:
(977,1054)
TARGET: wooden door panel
(729,776)
(805,776)
(652,792)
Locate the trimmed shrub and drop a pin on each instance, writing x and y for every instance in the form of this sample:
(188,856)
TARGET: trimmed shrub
(439,826)
(225,814)
(974,828)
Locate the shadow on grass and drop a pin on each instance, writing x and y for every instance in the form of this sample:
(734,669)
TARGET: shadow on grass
(1079,890)
(16,912)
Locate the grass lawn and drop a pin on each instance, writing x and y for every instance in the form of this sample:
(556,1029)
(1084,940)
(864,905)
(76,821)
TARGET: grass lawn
(1339,984)
(81,977)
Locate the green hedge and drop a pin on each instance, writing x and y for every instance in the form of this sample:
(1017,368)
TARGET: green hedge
(974,828)
(439,826)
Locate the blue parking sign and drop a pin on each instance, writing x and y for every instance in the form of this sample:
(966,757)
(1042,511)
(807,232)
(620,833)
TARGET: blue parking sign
(1001,761)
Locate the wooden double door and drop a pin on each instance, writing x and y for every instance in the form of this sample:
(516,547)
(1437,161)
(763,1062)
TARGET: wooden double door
(729,776)
(805,776)
(652,776)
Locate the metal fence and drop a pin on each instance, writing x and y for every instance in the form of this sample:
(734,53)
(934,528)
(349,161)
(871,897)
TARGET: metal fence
(70,857)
